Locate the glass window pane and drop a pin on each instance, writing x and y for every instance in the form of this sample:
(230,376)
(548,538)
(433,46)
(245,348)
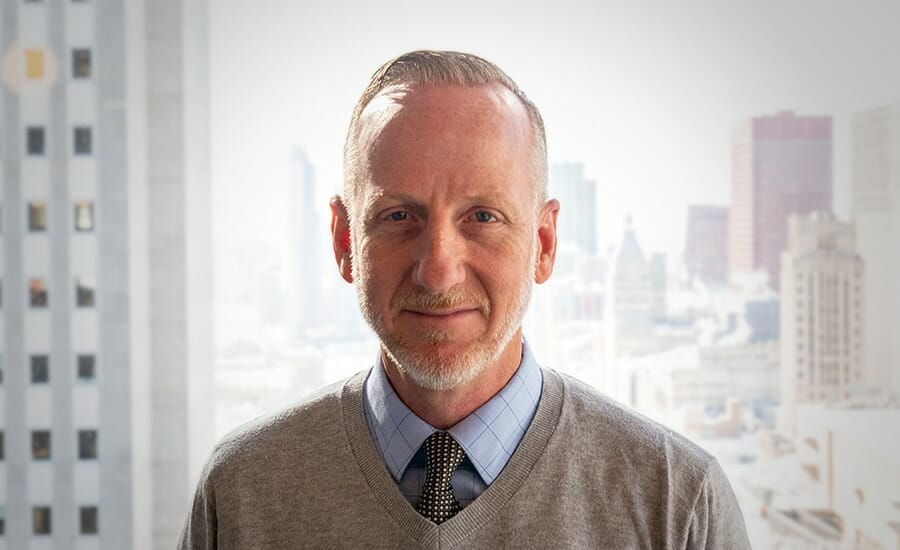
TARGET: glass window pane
(87,444)
(34,140)
(37,216)
(88,520)
(34,64)
(37,292)
(81,63)
(84,216)
(84,291)
(82,140)
(41,520)
(40,444)
(40,369)
(86,368)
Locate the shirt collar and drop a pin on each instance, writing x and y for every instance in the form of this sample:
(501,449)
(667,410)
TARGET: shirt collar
(489,435)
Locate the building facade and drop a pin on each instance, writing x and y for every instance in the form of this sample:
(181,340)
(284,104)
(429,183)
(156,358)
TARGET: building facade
(106,271)
(876,214)
(780,165)
(706,243)
(821,314)
(578,202)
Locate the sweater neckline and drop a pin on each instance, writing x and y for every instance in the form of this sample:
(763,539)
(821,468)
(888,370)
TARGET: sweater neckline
(482,509)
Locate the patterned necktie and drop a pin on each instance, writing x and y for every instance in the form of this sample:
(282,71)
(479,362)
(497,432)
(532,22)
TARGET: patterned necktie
(443,455)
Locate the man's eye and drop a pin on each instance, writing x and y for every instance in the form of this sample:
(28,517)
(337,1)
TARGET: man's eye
(484,216)
(398,216)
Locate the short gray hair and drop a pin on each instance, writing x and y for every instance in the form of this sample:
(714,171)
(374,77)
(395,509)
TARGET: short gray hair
(428,67)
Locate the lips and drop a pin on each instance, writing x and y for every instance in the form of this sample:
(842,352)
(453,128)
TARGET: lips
(442,313)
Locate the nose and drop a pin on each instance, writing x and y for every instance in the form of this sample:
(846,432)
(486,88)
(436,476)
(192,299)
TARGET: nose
(440,264)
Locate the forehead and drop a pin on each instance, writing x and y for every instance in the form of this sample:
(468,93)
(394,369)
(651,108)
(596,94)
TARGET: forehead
(446,134)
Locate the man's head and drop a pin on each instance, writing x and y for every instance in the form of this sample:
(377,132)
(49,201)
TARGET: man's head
(444,225)
(424,68)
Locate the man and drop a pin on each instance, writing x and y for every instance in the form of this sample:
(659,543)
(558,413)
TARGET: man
(455,438)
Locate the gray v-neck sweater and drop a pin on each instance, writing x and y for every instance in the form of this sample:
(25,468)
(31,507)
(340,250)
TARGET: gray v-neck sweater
(588,474)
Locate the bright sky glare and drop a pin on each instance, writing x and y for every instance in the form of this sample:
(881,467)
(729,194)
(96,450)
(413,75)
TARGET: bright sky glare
(645,94)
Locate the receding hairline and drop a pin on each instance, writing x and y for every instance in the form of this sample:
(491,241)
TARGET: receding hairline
(426,68)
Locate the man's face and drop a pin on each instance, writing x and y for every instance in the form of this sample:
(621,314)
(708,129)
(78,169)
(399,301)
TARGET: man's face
(445,229)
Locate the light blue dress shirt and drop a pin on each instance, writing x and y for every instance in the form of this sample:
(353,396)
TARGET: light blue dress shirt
(488,436)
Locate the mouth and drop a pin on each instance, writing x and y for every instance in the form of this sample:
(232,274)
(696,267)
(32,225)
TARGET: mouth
(441,313)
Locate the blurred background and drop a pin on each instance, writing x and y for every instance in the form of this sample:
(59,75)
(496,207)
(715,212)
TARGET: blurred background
(729,176)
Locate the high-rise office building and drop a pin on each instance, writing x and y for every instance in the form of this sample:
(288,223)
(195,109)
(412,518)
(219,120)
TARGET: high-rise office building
(304,256)
(876,214)
(578,205)
(106,271)
(781,165)
(821,314)
(706,243)
(629,303)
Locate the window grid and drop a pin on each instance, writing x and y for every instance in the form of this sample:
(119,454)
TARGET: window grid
(40,444)
(88,524)
(87,444)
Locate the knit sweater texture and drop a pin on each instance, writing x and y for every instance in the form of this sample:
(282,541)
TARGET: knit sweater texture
(588,474)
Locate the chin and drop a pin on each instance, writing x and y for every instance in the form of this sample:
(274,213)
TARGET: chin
(430,371)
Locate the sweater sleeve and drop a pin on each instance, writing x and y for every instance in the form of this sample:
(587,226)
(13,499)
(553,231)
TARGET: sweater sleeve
(717,521)
(199,532)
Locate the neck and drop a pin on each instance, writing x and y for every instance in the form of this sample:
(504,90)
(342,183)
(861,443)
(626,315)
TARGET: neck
(444,408)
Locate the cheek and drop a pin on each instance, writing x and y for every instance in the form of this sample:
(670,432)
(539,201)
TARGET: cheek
(504,274)
(378,271)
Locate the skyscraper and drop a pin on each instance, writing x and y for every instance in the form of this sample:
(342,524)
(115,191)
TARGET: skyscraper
(106,271)
(706,243)
(821,313)
(578,205)
(304,247)
(781,165)
(629,303)
(876,213)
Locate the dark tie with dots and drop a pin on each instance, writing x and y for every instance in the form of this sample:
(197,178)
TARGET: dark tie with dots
(442,456)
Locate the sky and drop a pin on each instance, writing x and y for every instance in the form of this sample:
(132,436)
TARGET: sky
(645,94)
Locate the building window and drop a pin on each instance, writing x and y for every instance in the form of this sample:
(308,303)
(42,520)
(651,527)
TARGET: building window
(84,216)
(37,216)
(34,140)
(40,444)
(37,293)
(84,291)
(82,140)
(87,444)
(2,449)
(87,367)
(2,520)
(40,369)
(41,520)
(88,520)
(34,64)
(81,63)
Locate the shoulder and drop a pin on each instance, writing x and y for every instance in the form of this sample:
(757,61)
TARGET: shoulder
(629,435)
(283,439)
(673,492)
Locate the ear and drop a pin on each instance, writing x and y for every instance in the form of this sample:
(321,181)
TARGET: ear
(340,237)
(546,239)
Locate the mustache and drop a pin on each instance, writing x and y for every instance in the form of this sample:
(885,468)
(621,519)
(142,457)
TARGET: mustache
(453,298)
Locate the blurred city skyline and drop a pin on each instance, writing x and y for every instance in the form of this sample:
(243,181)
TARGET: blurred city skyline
(729,240)
(645,95)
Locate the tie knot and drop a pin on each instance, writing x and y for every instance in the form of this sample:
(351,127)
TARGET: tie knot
(443,455)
